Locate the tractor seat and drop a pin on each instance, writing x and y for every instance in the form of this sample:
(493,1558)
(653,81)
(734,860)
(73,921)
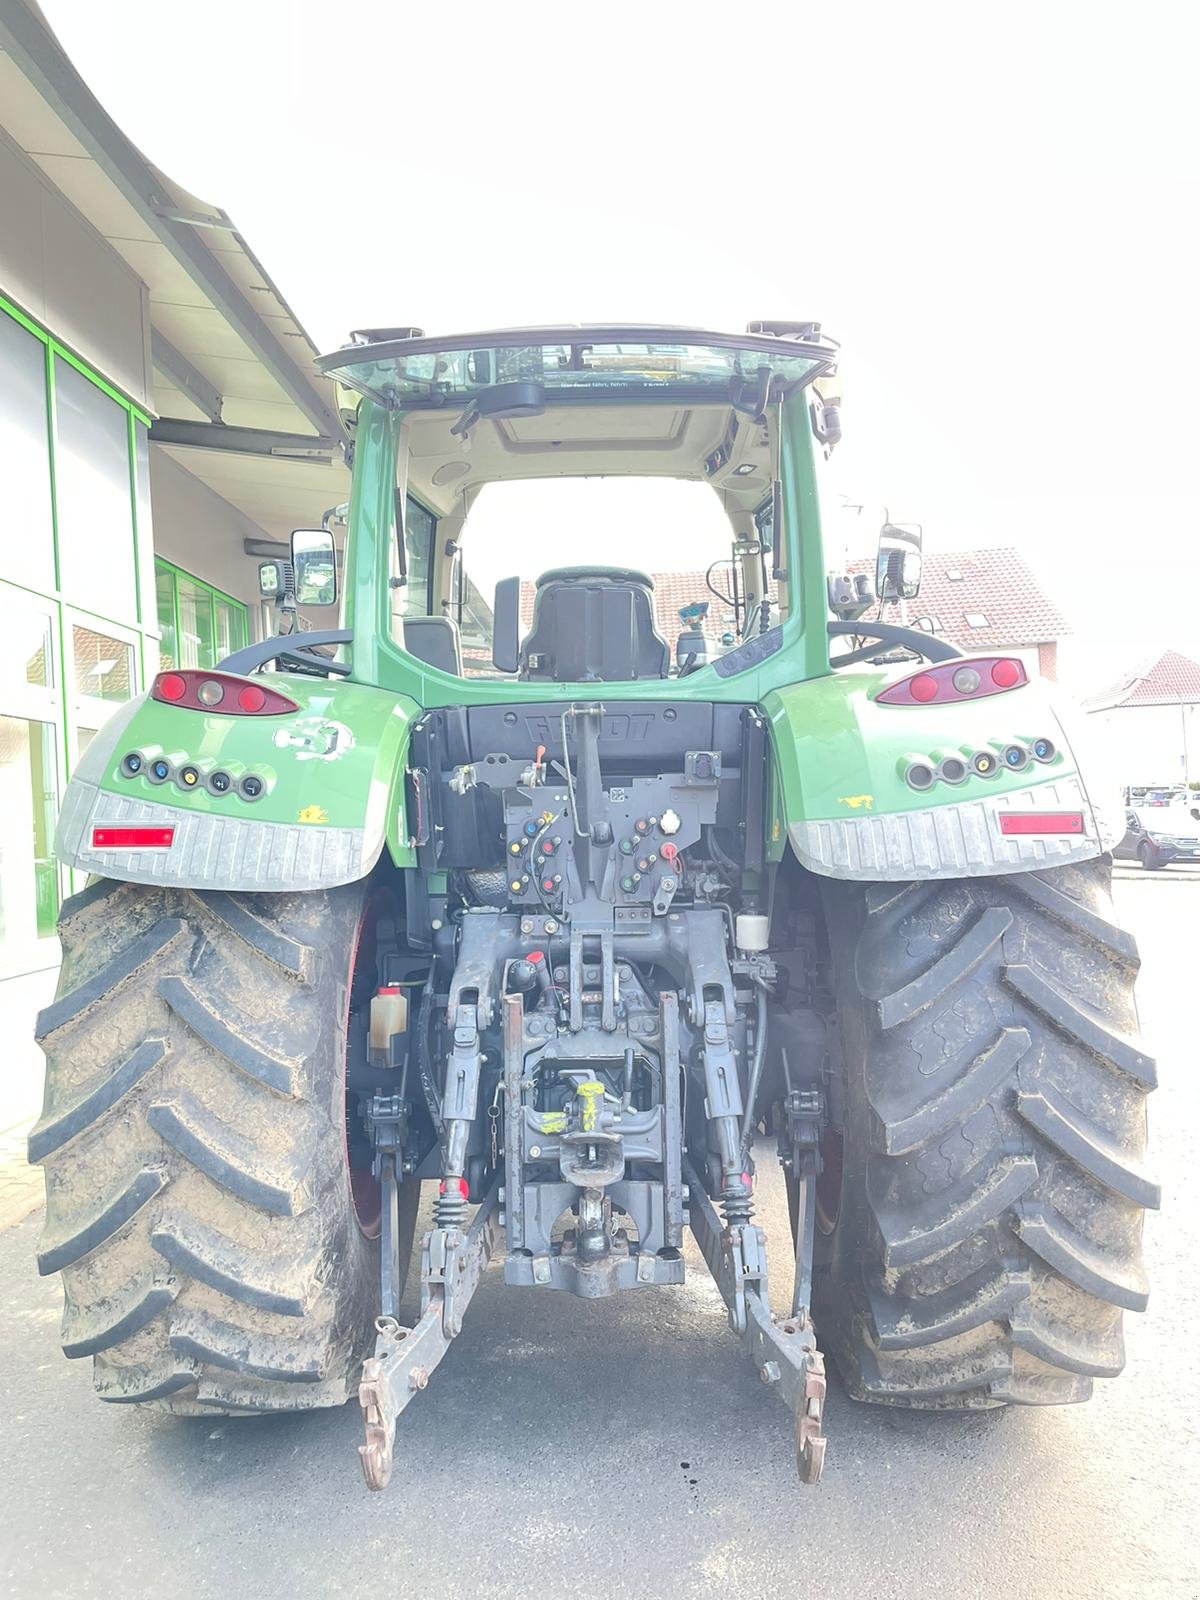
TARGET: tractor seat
(593,625)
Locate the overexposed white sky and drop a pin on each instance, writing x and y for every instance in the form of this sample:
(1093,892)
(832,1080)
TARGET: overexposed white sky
(994,209)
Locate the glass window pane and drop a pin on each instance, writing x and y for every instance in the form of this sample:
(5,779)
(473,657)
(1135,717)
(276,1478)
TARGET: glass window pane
(164,588)
(28,551)
(145,523)
(29,804)
(103,666)
(419,527)
(26,647)
(231,627)
(95,508)
(197,643)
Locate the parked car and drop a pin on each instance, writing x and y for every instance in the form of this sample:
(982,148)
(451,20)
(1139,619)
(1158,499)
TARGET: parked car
(1154,840)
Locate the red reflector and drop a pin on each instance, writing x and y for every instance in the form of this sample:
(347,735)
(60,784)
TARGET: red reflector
(251,698)
(1006,674)
(170,686)
(132,838)
(1012,822)
(923,687)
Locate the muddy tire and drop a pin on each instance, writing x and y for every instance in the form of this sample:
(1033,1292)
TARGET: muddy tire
(198,1203)
(988,1236)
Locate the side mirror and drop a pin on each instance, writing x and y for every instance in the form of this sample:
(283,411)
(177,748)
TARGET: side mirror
(506,625)
(898,564)
(315,564)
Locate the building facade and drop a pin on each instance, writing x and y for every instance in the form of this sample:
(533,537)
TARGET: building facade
(161,429)
(1151,719)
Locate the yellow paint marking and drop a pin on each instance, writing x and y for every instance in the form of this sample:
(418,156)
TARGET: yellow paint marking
(592,1096)
(857,802)
(313,814)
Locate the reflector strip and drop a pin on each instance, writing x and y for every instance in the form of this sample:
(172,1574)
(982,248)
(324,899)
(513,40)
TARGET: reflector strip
(1015,822)
(132,838)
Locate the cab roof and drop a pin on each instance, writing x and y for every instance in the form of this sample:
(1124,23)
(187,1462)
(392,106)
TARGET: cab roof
(590,363)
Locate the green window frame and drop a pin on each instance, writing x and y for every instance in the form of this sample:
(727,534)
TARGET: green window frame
(221,624)
(53,711)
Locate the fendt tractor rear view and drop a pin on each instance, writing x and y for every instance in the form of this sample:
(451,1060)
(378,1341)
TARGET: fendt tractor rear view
(577,875)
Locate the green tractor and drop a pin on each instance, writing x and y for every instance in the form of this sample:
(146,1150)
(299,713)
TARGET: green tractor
(570,889)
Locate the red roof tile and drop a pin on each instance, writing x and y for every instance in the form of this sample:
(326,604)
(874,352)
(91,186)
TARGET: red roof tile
(994,584)
(1171,680)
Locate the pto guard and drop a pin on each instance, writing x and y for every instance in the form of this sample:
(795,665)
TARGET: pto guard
(331,798)
(848,812)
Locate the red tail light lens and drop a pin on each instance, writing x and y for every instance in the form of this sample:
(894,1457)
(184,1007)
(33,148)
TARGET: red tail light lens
(222,692)
(923,687)
(953,681)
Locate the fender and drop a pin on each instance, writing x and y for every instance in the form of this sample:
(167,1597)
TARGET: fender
(848,811)
(331,796)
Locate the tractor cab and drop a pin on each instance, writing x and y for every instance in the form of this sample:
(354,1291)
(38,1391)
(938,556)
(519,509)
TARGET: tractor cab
(585,505)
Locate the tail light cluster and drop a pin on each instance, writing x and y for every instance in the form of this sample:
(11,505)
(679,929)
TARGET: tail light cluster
(951,681)
(222,692)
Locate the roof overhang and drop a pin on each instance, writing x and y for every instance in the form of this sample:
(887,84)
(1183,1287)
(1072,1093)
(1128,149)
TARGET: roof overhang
(229,354)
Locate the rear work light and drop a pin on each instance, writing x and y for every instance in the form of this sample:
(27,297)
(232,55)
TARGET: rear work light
(221,692)
(951,681)
(132,838)
(1024,822)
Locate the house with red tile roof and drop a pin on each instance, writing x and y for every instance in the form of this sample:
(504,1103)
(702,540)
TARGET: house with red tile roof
(1152,716)
(982,600)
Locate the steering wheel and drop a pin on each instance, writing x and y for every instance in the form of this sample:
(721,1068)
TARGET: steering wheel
(889,633)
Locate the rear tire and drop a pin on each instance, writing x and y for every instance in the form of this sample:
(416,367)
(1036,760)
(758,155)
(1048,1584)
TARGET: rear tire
(989,1231)
(198,1202)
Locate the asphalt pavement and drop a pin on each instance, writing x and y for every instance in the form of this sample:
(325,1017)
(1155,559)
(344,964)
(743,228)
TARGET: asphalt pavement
(627,1448)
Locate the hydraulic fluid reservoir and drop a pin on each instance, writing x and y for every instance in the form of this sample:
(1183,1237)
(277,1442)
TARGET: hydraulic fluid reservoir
(752,932)
(389,1016)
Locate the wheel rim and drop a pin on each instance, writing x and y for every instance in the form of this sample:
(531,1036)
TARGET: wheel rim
(366,1196)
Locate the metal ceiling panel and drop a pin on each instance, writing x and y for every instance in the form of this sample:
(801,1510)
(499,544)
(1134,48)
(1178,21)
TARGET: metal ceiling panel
(95,198)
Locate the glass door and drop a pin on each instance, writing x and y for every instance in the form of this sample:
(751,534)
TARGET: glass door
(31,780)
(101,670)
